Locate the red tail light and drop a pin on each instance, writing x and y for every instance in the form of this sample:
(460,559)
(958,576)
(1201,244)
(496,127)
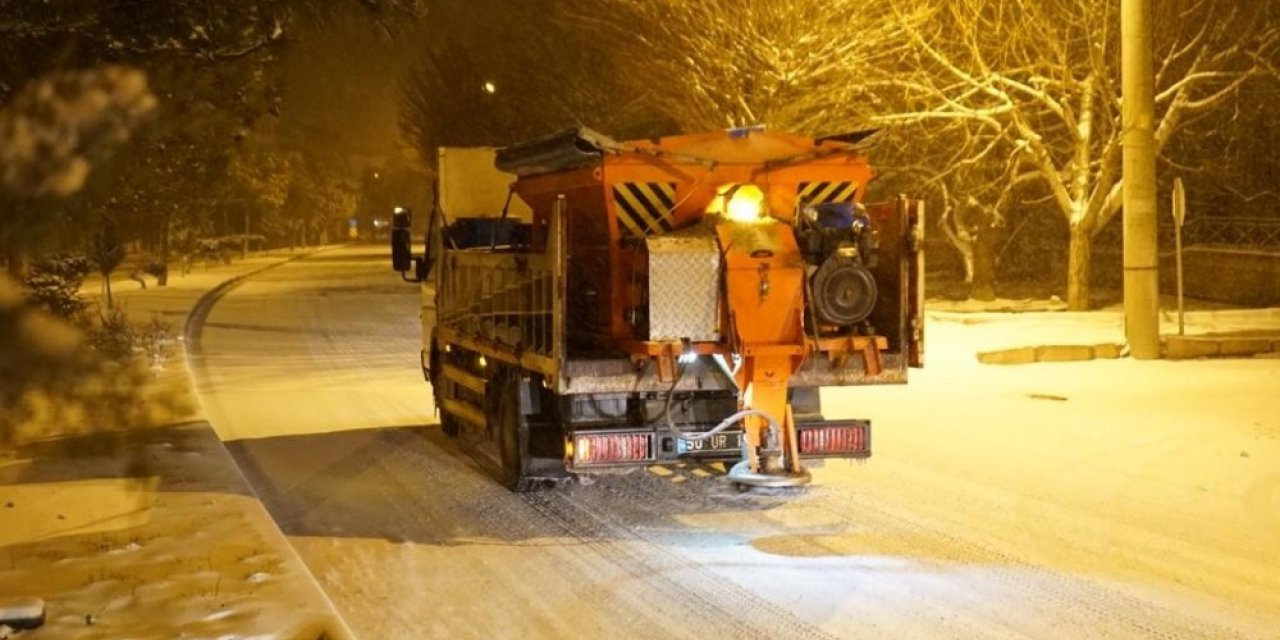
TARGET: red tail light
(843,439)
(607,448)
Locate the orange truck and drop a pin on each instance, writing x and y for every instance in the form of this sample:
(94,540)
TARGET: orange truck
(656,301)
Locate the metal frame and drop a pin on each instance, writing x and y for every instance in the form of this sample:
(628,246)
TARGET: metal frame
(506,306)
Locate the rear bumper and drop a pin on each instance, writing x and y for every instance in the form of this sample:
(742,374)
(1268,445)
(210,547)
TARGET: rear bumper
(601,449)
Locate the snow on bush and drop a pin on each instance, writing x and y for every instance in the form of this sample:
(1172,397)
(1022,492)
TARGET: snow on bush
(54,284)
(54,126)
(59,378)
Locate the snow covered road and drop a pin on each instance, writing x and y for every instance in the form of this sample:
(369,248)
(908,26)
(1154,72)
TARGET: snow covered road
(1078,500)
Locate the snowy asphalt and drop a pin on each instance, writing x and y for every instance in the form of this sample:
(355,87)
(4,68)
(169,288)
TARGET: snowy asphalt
(1100,499)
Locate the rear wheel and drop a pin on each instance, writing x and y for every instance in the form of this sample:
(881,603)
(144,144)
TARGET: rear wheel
(448,423)
(512,434)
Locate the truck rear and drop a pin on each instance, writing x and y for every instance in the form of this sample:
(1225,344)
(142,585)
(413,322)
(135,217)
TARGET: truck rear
(668,299)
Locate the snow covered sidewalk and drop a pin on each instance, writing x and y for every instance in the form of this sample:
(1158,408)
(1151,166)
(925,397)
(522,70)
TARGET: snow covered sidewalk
(1039,336)
(153,533)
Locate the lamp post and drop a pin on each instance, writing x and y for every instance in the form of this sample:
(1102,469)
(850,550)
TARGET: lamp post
(1141,277)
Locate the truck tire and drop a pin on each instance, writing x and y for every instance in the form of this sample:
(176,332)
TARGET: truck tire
(448,423)
(513,436)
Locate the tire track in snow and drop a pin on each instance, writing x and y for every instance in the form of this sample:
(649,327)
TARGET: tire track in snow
(740,612)
(590,559)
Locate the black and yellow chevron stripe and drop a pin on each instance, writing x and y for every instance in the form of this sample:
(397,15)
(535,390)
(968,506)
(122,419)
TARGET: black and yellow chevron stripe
(826,192)
(644,207)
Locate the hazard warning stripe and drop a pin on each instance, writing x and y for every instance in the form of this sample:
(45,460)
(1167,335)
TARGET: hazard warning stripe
(826,192)
(642,200)
(644,207)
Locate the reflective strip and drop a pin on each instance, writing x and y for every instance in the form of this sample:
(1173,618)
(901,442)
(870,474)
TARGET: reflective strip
(826,192)
(644,207)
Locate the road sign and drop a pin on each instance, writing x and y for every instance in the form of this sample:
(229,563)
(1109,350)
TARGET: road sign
(1179,216)
(1179,202)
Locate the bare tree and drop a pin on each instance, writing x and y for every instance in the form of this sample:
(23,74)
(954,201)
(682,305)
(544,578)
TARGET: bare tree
(790,64)
(1044,77)
(812,67)
(526,70)
(992,104)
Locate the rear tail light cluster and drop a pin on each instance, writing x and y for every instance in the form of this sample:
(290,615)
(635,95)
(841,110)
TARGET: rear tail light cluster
(609,448)
(846,438)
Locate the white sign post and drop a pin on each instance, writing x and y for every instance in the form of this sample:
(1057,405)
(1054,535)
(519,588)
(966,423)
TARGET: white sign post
(1179,216)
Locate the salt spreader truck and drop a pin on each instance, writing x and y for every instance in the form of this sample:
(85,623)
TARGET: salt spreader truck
(647,302)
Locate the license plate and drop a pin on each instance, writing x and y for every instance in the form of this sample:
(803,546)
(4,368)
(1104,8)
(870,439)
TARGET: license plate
(719,444)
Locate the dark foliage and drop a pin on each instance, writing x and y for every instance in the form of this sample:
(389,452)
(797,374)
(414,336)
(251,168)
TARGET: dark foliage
(53,284)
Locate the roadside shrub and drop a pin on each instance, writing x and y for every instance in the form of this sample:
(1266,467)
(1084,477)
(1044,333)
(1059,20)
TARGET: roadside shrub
(54,285)
(53,382)
(211,250)
(113,336)
(152,265)
(234,242)
(154,339)
(116,339)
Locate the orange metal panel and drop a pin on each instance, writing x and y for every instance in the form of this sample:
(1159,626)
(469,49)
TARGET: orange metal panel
(764,283)
(764,289)
(606,261)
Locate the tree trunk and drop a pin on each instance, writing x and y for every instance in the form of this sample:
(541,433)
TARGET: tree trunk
(16,266)
(106,289)
(983,285)
(1079,268)
(163,278)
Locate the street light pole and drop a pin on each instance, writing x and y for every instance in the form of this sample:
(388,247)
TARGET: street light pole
(1141,277)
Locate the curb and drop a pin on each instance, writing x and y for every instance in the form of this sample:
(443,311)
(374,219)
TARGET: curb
(1194,347)
(1053,353)
(193,327)
(1174,348)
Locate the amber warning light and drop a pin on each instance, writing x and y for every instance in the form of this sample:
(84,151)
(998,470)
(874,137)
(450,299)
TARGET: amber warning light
(739,203)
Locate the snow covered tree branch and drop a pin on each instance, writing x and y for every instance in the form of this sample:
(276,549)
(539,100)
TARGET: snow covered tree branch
(1046,74)
(710,64)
